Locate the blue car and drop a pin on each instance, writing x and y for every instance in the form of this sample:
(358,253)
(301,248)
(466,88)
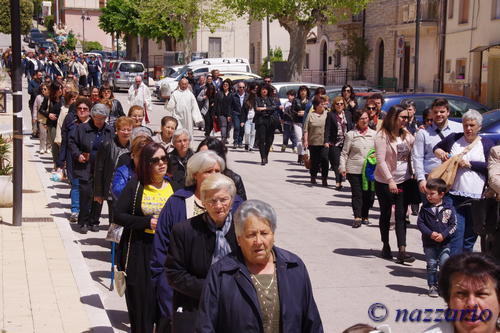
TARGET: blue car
(491,126)
(458,104)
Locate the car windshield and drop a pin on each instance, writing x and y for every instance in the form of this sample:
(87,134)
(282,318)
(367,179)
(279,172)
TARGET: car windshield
(490,118)
(36,35)
(180,73)
(131,68)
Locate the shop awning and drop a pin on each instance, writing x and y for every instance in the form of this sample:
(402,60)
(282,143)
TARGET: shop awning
(484,48)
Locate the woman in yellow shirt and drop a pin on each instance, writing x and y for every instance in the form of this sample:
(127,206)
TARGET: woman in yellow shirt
(137,210)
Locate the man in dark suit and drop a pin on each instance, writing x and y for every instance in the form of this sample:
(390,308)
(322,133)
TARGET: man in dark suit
(238,99)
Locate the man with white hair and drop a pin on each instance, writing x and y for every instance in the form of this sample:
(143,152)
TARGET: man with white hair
(184,107)
(139,94)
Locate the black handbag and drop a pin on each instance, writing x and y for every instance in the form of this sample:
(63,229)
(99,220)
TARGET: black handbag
(411,192)
(275,120)
(485,215)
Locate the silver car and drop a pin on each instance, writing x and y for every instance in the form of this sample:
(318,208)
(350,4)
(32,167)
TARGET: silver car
(124,72)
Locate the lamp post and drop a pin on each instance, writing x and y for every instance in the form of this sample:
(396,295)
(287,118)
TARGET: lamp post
(84,17)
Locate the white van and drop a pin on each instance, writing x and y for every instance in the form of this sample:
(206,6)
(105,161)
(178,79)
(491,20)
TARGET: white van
(212,61)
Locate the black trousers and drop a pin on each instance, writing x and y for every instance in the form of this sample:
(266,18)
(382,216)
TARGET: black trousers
(319,161)
(141,306)
(386,199)
(334,157)
(265,136)
(208,123)
(90,210)
(361,201)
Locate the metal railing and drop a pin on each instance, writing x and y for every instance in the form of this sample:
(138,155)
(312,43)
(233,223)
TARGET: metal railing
(329,77)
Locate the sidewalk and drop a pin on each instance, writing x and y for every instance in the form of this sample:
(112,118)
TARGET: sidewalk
(41,279)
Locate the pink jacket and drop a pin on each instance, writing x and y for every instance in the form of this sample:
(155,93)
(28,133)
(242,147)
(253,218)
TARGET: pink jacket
(386,153)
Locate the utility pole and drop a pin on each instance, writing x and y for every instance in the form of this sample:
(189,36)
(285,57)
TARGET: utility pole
(17,110)
(268,46)
(417,47)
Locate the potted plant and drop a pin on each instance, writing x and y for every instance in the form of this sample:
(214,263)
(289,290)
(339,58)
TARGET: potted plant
(6,187)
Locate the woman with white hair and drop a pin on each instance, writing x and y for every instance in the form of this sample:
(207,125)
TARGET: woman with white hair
(197,244)
(261,288)
(84,144)
(182,205)
(470,178)
(178,159)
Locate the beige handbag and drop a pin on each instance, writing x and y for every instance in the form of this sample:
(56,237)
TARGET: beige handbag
(447,171)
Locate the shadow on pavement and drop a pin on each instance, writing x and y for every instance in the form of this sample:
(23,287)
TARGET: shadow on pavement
(247,162)
(298,170)
(283,161)
(119,319)
(299,176)
(354,252)
(338,203)
(102,277)
(101,329)
(92,300)
(98,255)
(347,222)
(409,272)
(96,242)
(408,289)
(299,182)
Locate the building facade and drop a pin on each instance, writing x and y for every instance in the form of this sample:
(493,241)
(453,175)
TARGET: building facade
(472,53)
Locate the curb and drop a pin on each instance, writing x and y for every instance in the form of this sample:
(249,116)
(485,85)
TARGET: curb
(93,305)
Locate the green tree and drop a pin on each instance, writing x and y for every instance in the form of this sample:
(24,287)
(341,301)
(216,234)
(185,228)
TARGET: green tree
(91,46)
(276,55)
(48,22)
(26,7)
(298,18)
(357,50)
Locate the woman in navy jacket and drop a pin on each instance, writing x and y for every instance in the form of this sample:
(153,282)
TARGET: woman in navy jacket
(263,288)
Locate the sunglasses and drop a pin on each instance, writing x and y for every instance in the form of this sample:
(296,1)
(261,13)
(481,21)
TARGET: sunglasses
(339,103)
(429,120)
(347,90)
(156,160)
(84,109)
(267,81)
(371,108)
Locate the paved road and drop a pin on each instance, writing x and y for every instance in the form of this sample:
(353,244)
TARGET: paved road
(313,222)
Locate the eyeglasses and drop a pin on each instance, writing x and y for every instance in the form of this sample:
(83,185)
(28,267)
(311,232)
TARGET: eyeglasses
(214,202)
(339,103)
(156,160)
(267,81)
(241,87)
(428,120)
(83,109)
(371,108)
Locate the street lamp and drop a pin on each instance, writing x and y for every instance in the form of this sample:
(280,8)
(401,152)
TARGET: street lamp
(84,17)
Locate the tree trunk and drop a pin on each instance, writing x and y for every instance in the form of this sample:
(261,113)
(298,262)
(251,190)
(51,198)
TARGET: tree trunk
(298,37)
(187,43)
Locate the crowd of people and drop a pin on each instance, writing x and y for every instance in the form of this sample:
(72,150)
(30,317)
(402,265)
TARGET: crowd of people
(198,255)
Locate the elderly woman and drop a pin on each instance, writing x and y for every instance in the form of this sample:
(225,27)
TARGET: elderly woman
(353,163)
(470,286)
(168,127)
(137,210)
(263,288)
(197,244)
(136,112)
(220,148)
(184,204)
(314,139)
(338,123)
(393,173)
(84,144)
(178,159)
(470,178)
(107,160)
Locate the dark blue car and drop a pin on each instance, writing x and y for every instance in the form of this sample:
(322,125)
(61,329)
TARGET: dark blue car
(491,126)
(458,104)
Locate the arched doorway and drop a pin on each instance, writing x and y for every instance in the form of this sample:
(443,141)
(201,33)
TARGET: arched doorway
(324,61)
(380,64)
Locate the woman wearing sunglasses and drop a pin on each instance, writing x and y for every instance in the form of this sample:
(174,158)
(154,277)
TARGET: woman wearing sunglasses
(349,98)
(375,123)
(137,209)
(338,123)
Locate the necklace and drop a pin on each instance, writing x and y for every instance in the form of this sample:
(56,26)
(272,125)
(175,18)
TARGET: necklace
(260,284)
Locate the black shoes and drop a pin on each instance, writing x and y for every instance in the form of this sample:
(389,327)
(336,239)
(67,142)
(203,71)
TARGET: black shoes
(313,180)
(324,182)
(246,147)
(404,257)
(356,223)
(94,228)
(83,229)
(338,186)
(263,161)
(300,159)
(386,252)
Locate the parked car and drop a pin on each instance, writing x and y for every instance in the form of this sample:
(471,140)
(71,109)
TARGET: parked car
(172,70)
(491,126)
(45,47)
(26,38)
(283,87)
(458,104)
(124,72)
(361,93)
(36,38)
(107,70)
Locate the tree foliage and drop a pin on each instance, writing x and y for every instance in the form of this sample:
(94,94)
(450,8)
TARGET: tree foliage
(276,55)
(357,50)
(26,9)
(298,17)
(120,16)
(91,46)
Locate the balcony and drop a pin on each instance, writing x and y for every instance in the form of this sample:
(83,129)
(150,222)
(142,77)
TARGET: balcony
(429,12)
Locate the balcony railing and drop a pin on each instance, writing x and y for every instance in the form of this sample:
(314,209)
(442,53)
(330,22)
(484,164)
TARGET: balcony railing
(429,11)
(330,77)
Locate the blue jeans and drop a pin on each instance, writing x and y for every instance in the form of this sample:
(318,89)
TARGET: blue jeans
(435,256)
(238,130)
(74,194)
(464,237)
(289,133)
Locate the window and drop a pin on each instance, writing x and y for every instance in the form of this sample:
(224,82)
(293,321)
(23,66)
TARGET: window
(214,47)
(451,8)
(357,17)
(448,66)
(463,11)
(306,62)
(338,59)
(495,10)
(460,69)
(252,53)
